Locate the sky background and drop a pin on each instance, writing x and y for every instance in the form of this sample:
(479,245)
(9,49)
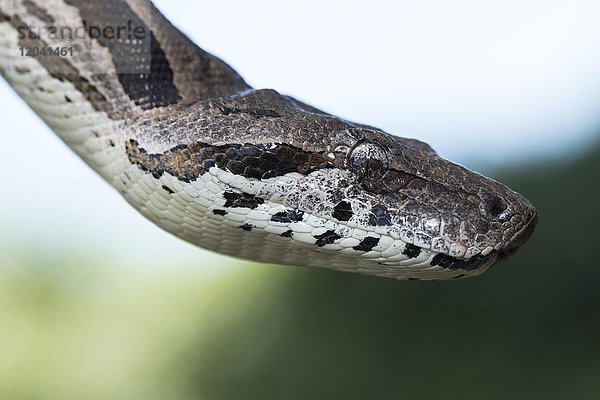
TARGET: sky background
(487,85)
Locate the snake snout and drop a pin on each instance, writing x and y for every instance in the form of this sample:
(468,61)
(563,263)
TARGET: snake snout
(519,239)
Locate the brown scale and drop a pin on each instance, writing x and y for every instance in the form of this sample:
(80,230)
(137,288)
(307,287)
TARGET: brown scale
(188,162)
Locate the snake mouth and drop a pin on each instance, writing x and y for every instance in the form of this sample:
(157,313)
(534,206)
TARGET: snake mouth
(480,262)
(520,237)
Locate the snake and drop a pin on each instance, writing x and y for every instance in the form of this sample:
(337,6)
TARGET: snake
(249,173)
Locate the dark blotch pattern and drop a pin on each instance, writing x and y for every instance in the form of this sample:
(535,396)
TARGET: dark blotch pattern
(380,216)
(142,67)
(208,164)
(326,238)
(367,244)
(178,161)
(242,200)
(219,212)
(289,233)
(39,12)
(411,251)
(288,216)
(188,162)
(268,161)
(342,211)
(60,68)
(449,262)
(168,189)
(247,227)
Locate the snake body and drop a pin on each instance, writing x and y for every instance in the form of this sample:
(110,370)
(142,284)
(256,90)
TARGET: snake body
(245,172)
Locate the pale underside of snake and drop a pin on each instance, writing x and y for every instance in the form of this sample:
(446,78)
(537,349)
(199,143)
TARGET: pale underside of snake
(244,172)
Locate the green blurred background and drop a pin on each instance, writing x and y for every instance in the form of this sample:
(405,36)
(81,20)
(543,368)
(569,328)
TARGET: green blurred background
(75,326)
(97,303)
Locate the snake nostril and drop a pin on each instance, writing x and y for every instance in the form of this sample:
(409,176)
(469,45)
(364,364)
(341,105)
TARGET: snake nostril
(494,206)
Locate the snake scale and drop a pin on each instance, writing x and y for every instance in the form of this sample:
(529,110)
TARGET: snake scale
(247,172)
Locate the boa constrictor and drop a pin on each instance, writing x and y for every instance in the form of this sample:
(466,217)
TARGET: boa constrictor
(244,172)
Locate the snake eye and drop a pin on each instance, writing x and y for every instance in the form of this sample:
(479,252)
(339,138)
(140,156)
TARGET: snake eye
(369,161)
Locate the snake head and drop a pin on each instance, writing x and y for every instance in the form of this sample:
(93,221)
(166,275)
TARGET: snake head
(300,187)
(442,214)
